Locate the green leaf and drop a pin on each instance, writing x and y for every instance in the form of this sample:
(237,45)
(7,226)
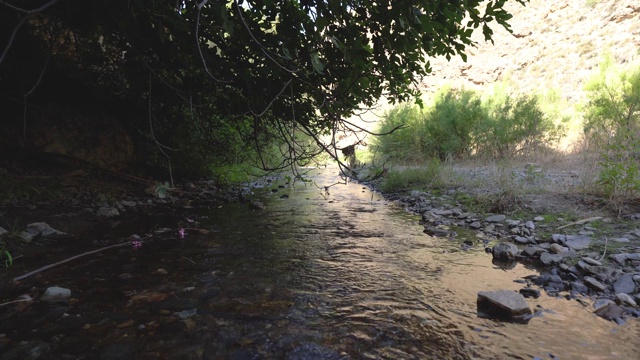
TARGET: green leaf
(317,64)
(9,261)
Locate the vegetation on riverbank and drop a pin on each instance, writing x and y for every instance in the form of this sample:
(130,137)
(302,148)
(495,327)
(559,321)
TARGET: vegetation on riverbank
(516,138)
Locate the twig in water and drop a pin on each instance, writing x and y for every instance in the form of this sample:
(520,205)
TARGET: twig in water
(69,259)
(186,258)
(16,301)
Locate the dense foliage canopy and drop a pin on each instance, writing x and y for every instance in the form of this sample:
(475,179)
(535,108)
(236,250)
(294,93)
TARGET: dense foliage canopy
(233,71)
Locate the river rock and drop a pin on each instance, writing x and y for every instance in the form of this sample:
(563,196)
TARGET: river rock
(521,240)
(119,351)
(594,284)
(538,218)
(433,231)
(532,250)
(610,312)
(257,205)
(505,304)
(512,223)
(530,292)
(28,350)
(579,287)
(625,299)
(530,225)
(547,258)
(308,351)
(55,293)
(495,218)
(42,229)
(108,212)
(624,284)
(577,242)
(475,225)
(587,268)
(623,257)
(128,203)
(505,251)
(620,240)
(558,238)
(591,261)
(556,249)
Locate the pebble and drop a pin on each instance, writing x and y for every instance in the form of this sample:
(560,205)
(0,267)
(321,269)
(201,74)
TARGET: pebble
(530,225)
(521,240)
(538,218)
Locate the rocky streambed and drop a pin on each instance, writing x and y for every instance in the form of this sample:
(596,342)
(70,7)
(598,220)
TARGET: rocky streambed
(595,261)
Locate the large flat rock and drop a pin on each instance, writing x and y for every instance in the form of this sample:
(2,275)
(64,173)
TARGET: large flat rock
(503,304)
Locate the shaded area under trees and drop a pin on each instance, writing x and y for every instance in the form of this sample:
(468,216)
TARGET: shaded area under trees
(205,83)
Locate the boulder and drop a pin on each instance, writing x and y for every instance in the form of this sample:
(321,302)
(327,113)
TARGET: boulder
(503,304)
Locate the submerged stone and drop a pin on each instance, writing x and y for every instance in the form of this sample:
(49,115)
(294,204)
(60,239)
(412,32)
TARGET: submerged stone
(55,293)
(503,304)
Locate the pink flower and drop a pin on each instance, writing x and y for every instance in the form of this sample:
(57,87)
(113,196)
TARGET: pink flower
(136,244)
(182,233)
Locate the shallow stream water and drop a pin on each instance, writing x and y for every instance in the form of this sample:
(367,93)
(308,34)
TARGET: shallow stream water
(336,274)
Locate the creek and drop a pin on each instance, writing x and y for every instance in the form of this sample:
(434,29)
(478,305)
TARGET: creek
(336,273)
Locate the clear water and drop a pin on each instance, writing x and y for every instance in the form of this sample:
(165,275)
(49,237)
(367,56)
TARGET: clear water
(319,275)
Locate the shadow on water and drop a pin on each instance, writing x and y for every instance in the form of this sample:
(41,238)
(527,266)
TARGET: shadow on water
(315,276)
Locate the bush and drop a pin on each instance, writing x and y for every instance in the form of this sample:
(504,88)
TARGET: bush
(450,124)
(612,123)
(404,144)
(459,124)
(514,126)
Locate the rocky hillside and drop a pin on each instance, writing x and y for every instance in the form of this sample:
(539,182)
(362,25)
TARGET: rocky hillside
(554,45)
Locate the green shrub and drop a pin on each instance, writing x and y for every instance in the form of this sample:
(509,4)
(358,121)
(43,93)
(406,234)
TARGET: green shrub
(514,126)
(459,124)
(405,142)
(612,123)
(450,124)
